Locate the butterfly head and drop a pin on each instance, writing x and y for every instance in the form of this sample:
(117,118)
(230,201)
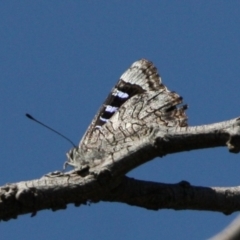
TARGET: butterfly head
(73,159)
(80,158)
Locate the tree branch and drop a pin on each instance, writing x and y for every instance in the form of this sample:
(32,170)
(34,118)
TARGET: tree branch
(55,192)
(180,196)
(231,232)
(162,141)
(106,181)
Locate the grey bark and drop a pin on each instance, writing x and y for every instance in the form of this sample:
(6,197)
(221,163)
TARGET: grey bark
(107,181)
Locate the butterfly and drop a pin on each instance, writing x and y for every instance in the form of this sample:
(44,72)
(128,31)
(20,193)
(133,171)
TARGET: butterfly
(138,98)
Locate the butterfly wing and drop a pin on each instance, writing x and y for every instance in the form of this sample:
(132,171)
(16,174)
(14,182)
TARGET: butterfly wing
(139,97)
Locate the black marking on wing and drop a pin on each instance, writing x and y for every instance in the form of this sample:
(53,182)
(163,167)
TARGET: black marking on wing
(142,76)
(118,96)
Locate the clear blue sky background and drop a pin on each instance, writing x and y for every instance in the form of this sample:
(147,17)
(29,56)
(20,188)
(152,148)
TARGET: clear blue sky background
(60,59)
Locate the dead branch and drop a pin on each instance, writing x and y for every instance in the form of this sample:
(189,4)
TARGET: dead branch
(107,181)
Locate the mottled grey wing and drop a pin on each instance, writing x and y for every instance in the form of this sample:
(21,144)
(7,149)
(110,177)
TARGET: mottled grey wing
(139,78)
(138,98)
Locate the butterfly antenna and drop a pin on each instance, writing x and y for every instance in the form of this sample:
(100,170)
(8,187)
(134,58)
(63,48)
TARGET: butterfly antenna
(34,119)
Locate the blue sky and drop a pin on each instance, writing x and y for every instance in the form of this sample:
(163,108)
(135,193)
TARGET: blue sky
(60,59)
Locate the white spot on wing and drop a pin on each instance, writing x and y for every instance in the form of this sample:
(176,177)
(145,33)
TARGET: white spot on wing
(111,109)
(120,94)
(103,119)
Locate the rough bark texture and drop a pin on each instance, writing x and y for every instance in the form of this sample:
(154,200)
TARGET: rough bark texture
(107,181)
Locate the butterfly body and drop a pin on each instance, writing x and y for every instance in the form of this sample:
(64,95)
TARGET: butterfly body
(138,99)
